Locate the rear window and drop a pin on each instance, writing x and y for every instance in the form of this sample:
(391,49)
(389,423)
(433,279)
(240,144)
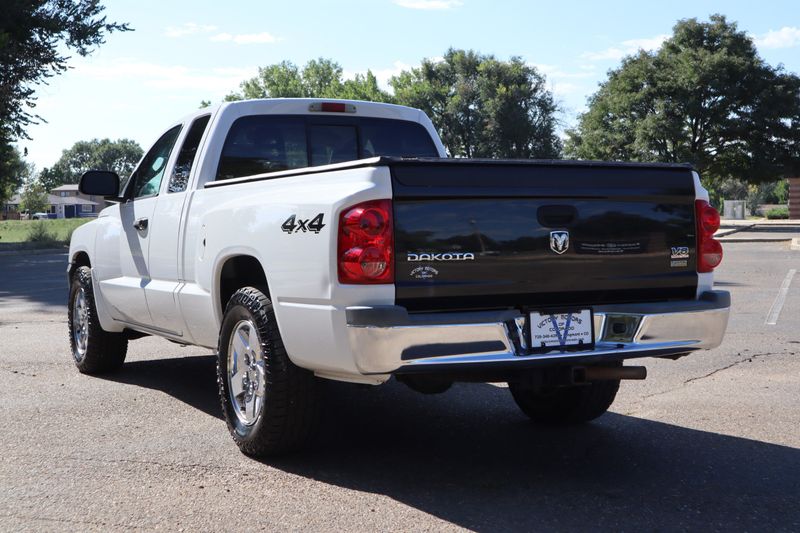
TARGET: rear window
(332,144)
(260,144)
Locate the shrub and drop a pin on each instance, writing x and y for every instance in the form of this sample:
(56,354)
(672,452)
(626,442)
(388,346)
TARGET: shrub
(777,213)
(781,192)
(39,233)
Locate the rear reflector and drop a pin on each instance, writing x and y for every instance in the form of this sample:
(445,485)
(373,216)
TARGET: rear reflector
(332,107)
(709,250)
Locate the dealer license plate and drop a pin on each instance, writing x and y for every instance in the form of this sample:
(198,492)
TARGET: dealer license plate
(560,330)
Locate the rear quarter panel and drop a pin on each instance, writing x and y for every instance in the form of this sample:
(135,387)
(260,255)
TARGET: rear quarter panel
(301,267)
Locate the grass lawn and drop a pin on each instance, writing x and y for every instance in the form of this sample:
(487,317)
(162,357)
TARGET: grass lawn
(12,231)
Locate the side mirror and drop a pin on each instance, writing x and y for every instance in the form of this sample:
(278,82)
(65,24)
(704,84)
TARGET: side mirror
(99,183)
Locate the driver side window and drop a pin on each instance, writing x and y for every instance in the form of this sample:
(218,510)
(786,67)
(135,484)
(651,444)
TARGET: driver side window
(146,179)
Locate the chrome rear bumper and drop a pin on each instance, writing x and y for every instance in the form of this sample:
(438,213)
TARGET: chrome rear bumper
(386,339)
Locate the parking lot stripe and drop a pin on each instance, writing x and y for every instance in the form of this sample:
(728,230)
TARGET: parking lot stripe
(777,305)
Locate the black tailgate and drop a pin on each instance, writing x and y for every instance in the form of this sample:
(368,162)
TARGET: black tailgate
(487,234)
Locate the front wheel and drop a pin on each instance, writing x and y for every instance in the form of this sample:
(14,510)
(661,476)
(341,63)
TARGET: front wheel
(94,350)
(268,402)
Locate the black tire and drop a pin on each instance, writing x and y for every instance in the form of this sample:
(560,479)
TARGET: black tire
(104,351)
(563,406)
(289,410)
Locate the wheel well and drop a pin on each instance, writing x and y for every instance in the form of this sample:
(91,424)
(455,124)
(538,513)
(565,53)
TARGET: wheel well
(80,259)
(237,272)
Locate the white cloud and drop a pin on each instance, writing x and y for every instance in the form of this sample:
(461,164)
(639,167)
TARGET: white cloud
(385,74)
(565,88)
(786,37)
(212,80)
(191,28)
(553,72)
(563,83)
(646,44)
(245,38)
(221,37)
(429,4)
(188,28)
(625,48)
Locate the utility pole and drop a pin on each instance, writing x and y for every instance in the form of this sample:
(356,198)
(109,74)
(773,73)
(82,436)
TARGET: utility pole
(794,198)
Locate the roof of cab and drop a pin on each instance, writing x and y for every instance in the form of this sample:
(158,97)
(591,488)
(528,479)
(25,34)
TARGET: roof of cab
(301,106)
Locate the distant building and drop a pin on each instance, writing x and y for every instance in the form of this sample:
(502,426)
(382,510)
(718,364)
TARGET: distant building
(64,202)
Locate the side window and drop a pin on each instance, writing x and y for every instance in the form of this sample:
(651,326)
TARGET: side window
(146,179)
(183,166)
(332,144)
(258,144)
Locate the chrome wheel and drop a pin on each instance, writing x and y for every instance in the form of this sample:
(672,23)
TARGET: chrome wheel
(80,324)
(246,372)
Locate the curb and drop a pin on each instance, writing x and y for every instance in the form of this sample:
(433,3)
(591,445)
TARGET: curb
(35,251)
(731,231)
(795,244)
(758,239)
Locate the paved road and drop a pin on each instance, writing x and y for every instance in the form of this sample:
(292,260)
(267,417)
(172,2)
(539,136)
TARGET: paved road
(765,233)
(710,442)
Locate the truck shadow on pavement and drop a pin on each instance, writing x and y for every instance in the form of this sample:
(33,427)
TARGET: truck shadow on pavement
(192,380)
(34,280)
(471,458)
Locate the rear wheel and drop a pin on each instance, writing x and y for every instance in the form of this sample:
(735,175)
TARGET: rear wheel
(558,406)
(268,402)
(94,350)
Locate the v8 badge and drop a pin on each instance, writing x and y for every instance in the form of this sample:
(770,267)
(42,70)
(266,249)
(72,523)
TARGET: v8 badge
(297,225)
(679,252)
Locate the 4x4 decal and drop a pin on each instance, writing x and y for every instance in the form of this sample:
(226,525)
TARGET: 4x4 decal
(296,225)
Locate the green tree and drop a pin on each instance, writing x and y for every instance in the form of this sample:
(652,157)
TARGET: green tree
(319,78)
(484,107)
(34,198)
(119,156)
(13,171)
(705,97)
(364,87)
(35,37)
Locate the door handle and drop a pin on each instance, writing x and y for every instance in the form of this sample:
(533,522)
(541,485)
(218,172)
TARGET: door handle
(140,224)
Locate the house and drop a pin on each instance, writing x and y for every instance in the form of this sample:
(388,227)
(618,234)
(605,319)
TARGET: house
(72,203)
(64,202)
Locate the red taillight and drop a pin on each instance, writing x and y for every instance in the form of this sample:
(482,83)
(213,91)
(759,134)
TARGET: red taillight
(366,243)
(709,250)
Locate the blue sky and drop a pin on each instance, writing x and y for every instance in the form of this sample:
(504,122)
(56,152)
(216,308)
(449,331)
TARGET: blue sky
(183,51)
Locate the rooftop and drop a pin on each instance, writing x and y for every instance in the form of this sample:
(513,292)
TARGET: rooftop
(56,200)
(66,187)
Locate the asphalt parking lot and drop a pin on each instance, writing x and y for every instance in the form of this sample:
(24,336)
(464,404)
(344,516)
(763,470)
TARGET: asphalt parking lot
(709,442)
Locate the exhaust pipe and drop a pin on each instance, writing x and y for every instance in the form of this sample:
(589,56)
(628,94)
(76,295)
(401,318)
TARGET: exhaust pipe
(582,374)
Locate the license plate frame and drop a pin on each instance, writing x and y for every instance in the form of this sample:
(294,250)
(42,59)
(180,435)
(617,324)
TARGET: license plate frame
(542,338)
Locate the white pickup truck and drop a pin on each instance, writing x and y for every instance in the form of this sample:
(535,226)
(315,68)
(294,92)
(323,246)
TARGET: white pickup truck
(305,239)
